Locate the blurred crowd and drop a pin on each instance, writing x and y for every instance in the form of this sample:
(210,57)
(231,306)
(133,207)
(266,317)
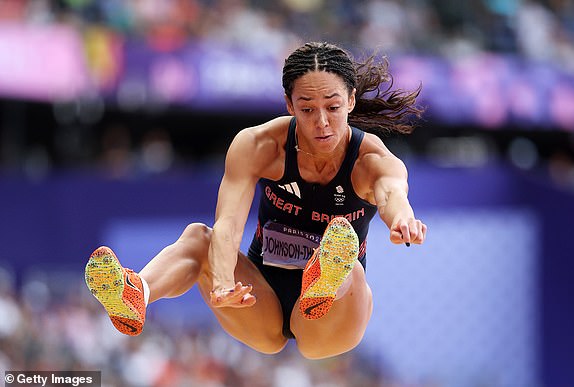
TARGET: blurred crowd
(56,325)
(541,31)
(538,30)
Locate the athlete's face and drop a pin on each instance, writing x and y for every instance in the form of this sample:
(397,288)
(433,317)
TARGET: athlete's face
(321,104)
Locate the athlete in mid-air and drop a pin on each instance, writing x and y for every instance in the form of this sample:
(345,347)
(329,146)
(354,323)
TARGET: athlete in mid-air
(322,181)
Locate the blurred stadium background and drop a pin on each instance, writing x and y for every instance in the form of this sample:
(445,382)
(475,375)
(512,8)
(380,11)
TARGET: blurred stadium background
(114,119)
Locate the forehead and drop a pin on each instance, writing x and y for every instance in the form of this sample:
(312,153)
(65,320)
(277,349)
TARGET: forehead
(318,84)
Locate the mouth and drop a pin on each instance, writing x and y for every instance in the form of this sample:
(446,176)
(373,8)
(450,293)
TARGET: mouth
(323,138)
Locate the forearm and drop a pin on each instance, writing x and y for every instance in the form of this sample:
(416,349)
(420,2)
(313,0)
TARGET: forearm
(223,252)
(396,206)
(391,196)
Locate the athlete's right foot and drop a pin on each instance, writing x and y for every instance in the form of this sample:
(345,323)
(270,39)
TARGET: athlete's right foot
(118,289)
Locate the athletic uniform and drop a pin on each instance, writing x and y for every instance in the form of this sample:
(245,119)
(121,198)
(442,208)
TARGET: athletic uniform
(293,215)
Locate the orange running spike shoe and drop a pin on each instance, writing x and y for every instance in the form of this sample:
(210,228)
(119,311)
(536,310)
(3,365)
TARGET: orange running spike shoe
(328,268)
(118,289)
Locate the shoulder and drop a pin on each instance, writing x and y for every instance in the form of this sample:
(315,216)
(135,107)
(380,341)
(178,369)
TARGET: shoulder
(263,134)
(375,162)
(265,140)
(375,156)
(260,147)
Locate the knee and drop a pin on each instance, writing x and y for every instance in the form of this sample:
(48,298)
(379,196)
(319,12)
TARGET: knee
(270,347)
(195,239)
(197,232)
(325,347)
(261,339)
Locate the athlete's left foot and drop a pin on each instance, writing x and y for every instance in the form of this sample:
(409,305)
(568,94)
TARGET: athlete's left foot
(328,268)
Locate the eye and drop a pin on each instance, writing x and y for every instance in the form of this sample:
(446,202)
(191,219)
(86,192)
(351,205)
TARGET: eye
(334,108)
(306,110)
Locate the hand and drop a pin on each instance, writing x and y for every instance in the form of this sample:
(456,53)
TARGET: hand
(237,297)
(408,231)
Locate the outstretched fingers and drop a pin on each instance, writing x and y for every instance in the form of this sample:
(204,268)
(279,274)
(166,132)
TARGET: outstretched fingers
(237,297)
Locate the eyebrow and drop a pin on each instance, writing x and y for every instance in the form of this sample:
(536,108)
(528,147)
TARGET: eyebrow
(326,97)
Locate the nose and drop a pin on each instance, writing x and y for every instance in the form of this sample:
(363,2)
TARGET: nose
(322,120)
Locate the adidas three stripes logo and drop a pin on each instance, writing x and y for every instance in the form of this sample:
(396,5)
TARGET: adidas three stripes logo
(292,188)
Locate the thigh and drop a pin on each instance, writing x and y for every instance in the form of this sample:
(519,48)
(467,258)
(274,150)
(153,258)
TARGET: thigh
(258,326)
(348,317)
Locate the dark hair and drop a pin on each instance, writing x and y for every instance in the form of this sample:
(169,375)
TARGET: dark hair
(377,110)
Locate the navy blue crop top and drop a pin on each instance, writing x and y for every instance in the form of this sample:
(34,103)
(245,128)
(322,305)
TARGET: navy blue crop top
(309,207)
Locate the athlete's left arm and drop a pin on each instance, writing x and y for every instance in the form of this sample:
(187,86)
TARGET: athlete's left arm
(389,178)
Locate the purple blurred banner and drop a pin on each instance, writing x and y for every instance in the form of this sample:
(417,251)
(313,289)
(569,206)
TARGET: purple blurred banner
(201,77)
(486,90)
(41,63)
(490,91)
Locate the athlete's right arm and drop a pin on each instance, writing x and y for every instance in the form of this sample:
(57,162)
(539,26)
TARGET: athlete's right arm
(244,164)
